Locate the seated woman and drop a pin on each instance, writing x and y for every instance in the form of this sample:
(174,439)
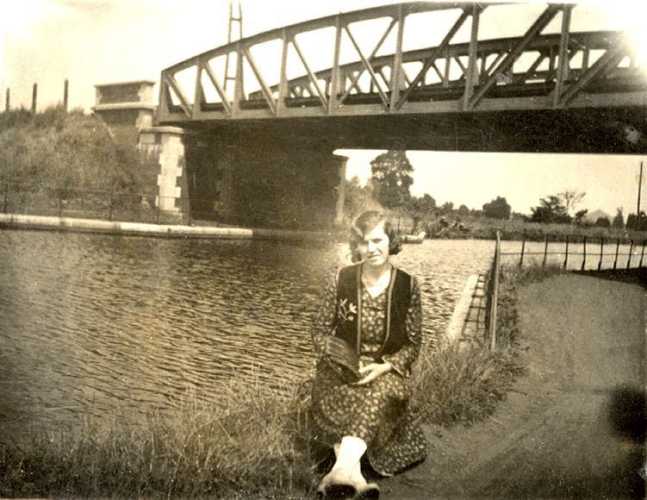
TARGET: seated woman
(373,310)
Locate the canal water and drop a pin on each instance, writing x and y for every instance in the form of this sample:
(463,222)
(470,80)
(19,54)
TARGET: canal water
(93,325)
(97,325)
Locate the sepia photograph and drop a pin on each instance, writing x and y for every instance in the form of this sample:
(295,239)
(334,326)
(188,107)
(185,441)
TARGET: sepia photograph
(351,249)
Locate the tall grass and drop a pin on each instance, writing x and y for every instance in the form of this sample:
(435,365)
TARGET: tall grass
(68,152)
(249,444)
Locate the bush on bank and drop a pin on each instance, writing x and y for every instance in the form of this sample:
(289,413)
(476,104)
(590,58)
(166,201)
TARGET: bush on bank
(253,443)
(56,153)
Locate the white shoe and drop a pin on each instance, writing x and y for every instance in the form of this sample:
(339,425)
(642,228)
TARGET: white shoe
(345,479)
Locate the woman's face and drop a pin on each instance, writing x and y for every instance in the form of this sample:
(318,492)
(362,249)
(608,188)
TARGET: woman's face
(373,248)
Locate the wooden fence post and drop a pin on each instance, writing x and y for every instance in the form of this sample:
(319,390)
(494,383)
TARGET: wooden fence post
(566,253)
(110,206)
(601,252)
(523,250)
(6,196)
(543,264)
(642,254)
(65,94)
(584,254)
(615,261)
(495,291)
(34,98)
(631,249)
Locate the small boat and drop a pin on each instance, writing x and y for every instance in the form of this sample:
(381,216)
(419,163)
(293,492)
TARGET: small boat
(413,238)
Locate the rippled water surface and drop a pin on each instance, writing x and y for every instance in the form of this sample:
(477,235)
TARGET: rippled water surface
(96,324)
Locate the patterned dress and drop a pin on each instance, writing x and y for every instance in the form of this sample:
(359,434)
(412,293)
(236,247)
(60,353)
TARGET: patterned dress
(375,412)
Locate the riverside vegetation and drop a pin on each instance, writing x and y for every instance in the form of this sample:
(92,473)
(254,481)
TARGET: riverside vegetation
(253,443)
(55,159)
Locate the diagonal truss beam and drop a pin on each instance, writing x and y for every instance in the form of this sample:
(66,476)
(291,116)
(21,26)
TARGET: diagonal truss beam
(223,97)
(533,67)
(436,51)
(353,82)
(184,103)
(536,28)
(311,76)
(368,67)
(267,93)
(608,61)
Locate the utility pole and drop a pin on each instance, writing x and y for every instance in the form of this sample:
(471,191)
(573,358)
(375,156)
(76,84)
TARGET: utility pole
(34,98)
(65,94)
(640,184)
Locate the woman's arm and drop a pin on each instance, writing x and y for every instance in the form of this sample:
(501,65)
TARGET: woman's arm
(322,325)
(402,360)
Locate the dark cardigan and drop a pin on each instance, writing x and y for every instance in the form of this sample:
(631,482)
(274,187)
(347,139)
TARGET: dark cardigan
(348,314)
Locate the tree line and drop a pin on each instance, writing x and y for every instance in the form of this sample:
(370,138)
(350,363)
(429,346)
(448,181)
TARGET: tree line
(391,180)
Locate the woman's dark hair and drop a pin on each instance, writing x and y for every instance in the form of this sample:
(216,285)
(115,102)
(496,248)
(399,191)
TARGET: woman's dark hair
(366,222)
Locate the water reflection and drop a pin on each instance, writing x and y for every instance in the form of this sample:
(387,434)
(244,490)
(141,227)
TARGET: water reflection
(93,325)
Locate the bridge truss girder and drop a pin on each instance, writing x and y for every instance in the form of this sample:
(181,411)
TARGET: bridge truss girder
(480,75)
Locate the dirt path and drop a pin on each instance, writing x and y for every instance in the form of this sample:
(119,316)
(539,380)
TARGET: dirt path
(553,436)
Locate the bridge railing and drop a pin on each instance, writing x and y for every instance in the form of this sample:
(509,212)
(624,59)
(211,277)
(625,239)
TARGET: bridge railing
(275,76)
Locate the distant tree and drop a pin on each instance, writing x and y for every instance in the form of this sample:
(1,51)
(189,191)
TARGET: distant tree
(447,207)
(579,216)
(637,223)
(550,209)
(497,209)
(571,198)
(603,222)
(391,178)
(419,208)
(619,219)
(356,197)
(463,210)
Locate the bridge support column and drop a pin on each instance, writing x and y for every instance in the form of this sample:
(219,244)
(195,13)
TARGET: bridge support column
(341,190)
(166,146)
(127,110)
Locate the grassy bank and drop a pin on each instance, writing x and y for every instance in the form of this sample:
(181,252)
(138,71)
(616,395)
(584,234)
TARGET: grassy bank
(249,444)
(60,163)
(253,443)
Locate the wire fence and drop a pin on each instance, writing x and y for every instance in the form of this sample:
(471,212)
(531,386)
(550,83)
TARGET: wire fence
(579,253)
(573,254)
(31,199)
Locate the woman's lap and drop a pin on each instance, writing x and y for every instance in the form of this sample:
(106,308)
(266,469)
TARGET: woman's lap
(367,411)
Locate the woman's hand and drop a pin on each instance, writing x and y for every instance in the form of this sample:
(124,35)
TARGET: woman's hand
(372,371)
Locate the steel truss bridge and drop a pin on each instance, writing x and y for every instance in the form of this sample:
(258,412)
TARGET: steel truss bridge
(532,71)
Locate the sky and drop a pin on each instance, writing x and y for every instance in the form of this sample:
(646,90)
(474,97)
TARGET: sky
(103,41)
